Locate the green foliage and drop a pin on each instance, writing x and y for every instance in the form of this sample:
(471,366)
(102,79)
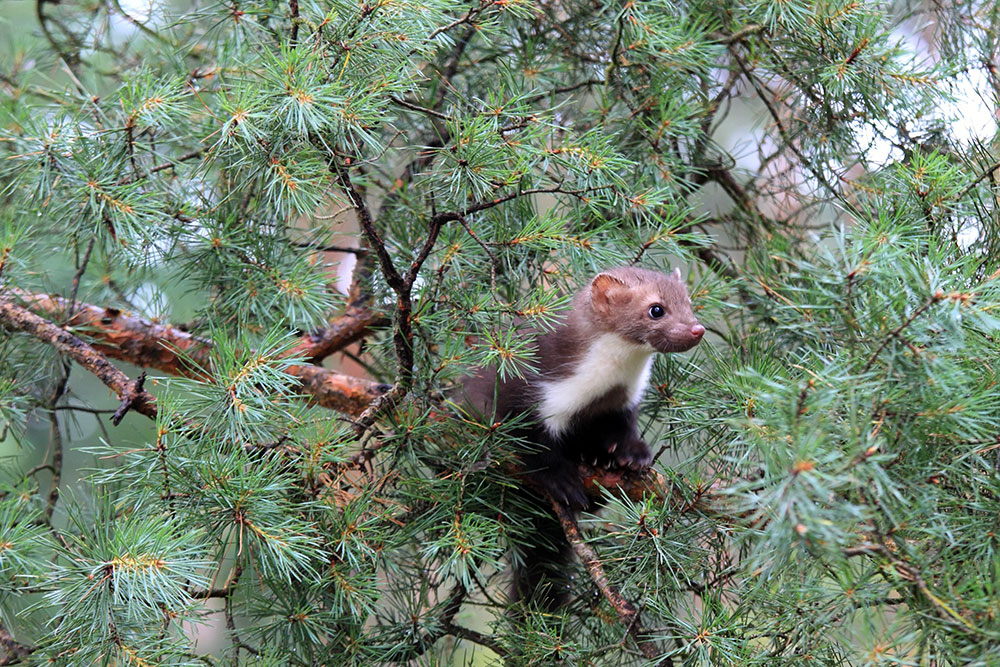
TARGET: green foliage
(247,392)
(207,174)
(25,542)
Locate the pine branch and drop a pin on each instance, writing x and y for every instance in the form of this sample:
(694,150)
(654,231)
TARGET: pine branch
(580,193)
(392,275)
(787,140)
(912,574)
(739,35)
(447,626)
(317,247)
(81,268)
(978,179)
(468,17)
(412,106)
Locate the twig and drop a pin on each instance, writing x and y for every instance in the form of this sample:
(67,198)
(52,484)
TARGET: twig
(986,172)
(627,613)
(439,134)
(568,88)
(55,436)
(161,167)
(135,392)
(484,205)
(615,48)
(38,468)
(913,575)
(328,248)
(712,259)
(70,60)
(489,253)
(469,16)
(230,621)
(724,178)
(739,35)
(142,26)
(937,296)
(785,136)
(392,276)
(425,250)
(80,270)
(416,107)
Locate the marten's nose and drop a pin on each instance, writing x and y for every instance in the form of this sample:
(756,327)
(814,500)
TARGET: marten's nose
(697,330)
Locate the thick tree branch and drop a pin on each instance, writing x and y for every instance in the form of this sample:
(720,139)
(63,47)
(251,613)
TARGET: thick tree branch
(16,318)
(355,323)
(149,345)
(338,391)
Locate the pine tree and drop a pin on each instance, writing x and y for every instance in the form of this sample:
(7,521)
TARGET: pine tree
(184,187)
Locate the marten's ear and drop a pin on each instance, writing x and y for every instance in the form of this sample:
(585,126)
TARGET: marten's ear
(676,273)
(605,291)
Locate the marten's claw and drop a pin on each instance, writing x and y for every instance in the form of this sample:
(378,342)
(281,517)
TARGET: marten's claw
(632,454)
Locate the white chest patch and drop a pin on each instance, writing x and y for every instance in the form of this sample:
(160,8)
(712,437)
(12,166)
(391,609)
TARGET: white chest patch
(609,362)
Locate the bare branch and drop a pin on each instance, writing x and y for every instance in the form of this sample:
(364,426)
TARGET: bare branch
(150,345)
(16,318)
(354,324)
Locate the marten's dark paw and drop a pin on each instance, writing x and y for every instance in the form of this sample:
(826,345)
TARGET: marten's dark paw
(564,485)
(633,454)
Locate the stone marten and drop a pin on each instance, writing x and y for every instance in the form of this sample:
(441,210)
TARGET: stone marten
(582,401)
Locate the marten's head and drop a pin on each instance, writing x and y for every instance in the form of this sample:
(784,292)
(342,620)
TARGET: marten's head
(646,307)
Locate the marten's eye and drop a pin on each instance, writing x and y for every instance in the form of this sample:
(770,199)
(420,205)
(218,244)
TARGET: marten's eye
(656,311)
